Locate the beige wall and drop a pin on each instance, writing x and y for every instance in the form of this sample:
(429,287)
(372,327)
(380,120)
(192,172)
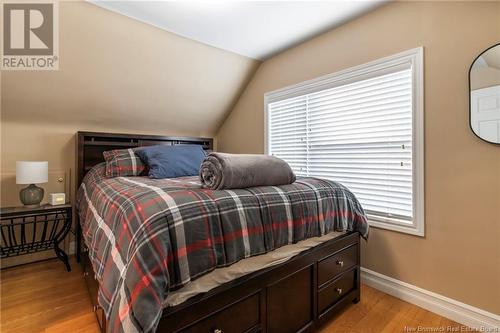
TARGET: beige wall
(459,256)
(116,74)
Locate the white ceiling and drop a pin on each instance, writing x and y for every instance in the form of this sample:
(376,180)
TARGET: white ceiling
(492,57)
(256,29)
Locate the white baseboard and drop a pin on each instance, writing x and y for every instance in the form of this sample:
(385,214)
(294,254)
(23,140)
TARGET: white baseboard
(460,312)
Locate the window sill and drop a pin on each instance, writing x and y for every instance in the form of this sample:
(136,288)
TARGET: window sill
(410,229)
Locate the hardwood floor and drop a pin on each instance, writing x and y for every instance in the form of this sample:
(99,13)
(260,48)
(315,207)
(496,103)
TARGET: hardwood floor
(43,297)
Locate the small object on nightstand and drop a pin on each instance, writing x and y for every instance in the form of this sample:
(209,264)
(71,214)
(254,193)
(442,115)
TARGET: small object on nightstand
(31,173)
(29,230)
(57,199)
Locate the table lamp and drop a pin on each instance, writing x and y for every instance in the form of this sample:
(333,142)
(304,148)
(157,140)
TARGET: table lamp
(30,172)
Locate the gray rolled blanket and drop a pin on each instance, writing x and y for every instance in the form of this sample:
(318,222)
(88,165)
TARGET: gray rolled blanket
(226,171)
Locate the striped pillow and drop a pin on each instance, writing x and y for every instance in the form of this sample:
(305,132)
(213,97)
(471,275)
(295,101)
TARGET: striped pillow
(123,163)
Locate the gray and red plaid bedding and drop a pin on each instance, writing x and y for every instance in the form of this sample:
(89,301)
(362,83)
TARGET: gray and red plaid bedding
(148,236)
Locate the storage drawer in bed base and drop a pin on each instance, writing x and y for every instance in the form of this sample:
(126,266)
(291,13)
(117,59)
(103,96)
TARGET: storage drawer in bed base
(290,297)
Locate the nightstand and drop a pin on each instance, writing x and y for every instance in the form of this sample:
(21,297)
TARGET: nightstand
(28,230)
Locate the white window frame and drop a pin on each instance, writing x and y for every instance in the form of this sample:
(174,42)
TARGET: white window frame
(415,57)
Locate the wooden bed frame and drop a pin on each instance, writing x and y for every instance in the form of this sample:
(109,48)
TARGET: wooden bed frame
(296,296)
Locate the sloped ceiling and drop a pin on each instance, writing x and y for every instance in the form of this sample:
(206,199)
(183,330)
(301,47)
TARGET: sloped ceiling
(119,73)
(492,57)
(256,29)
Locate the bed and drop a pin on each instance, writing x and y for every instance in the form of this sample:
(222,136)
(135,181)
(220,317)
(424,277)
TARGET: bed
(281,287)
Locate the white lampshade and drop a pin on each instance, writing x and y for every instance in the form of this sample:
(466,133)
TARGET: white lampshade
(28,172)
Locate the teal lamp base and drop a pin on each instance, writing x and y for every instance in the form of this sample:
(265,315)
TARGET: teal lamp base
(31,196)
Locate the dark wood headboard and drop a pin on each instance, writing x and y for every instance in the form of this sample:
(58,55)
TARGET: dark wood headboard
(91,145)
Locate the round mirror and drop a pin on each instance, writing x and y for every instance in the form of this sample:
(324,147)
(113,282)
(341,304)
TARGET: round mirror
(484,84)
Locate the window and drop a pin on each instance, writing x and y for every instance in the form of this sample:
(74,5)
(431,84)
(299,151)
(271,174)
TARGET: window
(362,127)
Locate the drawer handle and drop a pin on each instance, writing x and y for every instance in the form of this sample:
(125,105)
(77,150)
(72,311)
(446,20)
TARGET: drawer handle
(94,308)
(340,263)
(339,291)
(85,274)
(217,330)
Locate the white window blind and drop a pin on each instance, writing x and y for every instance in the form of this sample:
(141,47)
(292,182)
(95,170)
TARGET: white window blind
(288,128)
(358,132)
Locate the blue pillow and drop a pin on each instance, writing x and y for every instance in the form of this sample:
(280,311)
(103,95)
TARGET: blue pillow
(172,161)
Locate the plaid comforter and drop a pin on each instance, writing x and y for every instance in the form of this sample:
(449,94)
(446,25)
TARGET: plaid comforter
(148,236)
